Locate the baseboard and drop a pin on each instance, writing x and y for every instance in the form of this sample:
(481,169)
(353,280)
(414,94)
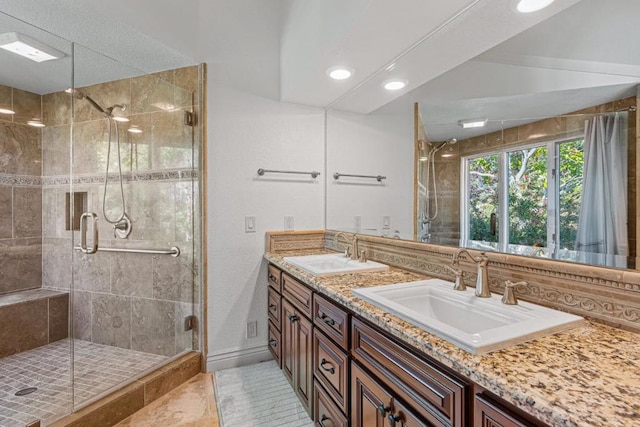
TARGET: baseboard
(238,357)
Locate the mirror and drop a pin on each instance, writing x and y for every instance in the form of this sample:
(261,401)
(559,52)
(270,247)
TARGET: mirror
(516,184)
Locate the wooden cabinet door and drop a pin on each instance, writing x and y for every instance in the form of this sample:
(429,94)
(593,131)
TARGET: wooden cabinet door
(287,343)
(303,373)
(370,403)
(488,413)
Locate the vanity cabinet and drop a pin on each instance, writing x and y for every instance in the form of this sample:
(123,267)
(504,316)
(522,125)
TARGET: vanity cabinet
(297,343)
(274,313)
(347,372)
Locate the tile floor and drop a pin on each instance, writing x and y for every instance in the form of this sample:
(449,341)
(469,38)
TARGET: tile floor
(258,395)
(97,368)
(192,404)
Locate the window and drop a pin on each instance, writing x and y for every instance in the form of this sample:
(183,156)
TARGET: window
(523,200)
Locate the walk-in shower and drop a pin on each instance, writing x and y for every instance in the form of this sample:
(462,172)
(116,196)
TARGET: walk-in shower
(76,325)
(429,214)
(122,222)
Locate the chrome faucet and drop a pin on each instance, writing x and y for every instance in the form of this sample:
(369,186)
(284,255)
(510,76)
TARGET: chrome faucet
(482,283)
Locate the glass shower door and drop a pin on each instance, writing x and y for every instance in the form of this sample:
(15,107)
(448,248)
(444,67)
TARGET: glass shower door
(134,184)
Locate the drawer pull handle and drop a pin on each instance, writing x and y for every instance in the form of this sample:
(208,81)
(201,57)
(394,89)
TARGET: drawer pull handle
(273,278)
(273,343)
(329,369)
(383,410)
(393,419)
(323,419)
(293,318)
(328,320)
(273,307)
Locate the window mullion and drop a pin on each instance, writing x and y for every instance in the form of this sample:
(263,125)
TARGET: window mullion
(503,201)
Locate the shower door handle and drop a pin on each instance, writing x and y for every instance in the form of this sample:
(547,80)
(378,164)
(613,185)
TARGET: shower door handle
(84,219)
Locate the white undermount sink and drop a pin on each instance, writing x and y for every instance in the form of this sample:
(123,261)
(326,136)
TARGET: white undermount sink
(330,264)
(477,325)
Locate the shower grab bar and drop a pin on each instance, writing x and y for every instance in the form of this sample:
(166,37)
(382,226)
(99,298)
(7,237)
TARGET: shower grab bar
(174,251)
(378,178)
(84,219)
(313,174)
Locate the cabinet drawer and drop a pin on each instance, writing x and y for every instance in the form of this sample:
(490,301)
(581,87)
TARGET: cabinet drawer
(434,394)
(273,310)
(274,277)
(298,294)
(274,344)
(326,413)
(331,369)
(333,320)
(488,412)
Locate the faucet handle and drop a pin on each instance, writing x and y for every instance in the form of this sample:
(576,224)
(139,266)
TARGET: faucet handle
(509,296)
(347,252)
(363,256)
(459,283)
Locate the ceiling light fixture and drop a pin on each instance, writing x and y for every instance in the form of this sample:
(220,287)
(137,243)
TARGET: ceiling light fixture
(6,111)
(528,6)
(395,84)
(134,129)
(339,73)
(29,48)
(120,119)
(472,123)
(36,123)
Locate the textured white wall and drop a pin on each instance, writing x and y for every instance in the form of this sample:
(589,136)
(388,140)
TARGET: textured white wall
(248,130)
(374,144)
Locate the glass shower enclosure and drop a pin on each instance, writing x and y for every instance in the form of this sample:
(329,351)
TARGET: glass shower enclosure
(99,225)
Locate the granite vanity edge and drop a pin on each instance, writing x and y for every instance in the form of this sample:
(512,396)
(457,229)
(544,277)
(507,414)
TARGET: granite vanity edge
(445,353)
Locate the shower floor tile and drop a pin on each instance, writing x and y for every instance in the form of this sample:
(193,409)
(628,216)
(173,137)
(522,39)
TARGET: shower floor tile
(97,369)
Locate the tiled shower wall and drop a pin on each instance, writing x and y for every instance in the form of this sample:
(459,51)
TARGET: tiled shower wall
(135,301)
(20,192)
(446,228)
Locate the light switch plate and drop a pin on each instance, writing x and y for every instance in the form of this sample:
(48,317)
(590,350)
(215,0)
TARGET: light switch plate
(288,223)
(250,224)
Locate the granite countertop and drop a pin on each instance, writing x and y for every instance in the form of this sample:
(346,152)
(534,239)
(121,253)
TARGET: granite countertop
(587,376)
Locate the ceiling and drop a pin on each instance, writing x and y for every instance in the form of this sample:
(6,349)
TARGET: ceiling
(462,58)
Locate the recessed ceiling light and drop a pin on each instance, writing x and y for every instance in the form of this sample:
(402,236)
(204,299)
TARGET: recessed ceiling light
(120,119)
(6,111)
(36,123)
(528,6)
(29,48)
(339,73)
(134,129)
(395,84)
(472,123)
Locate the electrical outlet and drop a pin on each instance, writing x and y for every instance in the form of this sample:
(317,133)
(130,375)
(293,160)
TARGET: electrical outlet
(386,222)
(288,223)
(357,223)
(252,329)
(250,224)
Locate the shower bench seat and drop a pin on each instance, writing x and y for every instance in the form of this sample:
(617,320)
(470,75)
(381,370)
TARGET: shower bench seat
(32,318)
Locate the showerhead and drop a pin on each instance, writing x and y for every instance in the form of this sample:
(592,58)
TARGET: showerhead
(76,93)
(449,141)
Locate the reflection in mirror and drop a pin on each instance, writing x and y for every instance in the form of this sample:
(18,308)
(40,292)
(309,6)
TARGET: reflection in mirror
(522,182)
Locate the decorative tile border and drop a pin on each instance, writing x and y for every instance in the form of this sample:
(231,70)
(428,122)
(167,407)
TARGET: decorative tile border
(164,175)
(607,295)
(282,241)
(37,181)
(24,180)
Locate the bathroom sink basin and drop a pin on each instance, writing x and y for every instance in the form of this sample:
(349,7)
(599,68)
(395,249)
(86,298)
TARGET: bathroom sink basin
(331,264)
(477,325)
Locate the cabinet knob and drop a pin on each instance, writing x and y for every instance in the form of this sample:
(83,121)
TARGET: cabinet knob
(272,278)
(393,419)
(323,419)
(272,307)
(383,410)
(293,318)
(329,369)
(326,319)
(273,343)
